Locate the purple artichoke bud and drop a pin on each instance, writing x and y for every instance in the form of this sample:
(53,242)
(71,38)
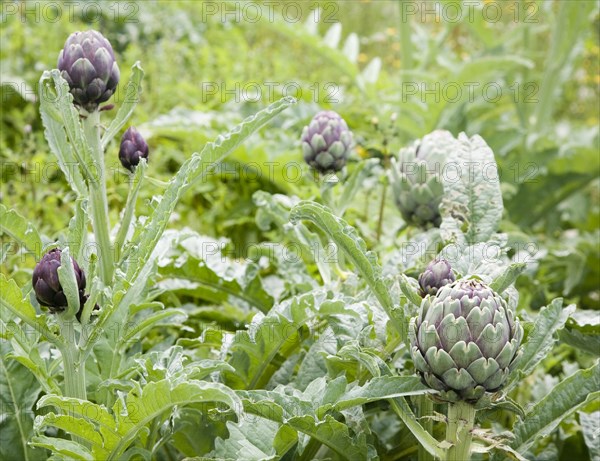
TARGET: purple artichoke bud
(326,142)
(465,341)
(87,62)
(133,147)
(437,274)
(46,283)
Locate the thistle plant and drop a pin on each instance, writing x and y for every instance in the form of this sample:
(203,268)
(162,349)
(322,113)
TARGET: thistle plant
(464,343)
(46,282)
(416,177)
(437,274)
(114,265)
(87,62)
(133,149)
(162,346)
(326,142)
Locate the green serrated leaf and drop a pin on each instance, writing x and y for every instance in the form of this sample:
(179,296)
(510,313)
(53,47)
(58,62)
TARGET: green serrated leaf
(384,387)
(365,261)
(13,304)
(20,230)
(582,331)
(72,450)
(68,281)
(18,393)
(472,205)
(408,290)
(134,412)
(56,136)
(253,351)
(590,426)
(133,90)
(55,92)
(212,276)
(507,278)
(84,430)
(541,338)
(570,394)
(333,434)
(77,229)
(194,169)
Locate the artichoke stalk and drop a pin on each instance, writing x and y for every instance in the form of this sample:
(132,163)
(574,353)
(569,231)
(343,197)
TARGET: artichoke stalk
(465,341)
(87,62)
(327,142)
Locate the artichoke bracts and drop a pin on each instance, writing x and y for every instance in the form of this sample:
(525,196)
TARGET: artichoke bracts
(437,274)
(133,148)
(87,62)
(416,178)
(46,284)
(326,142)
(464,341)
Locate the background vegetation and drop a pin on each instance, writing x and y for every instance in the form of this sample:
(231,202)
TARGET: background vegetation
(370,61)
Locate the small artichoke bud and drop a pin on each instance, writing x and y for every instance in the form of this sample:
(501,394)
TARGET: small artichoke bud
(46,283)
(133,148)
(437,274)
(87,62)
(326,142)
(465,341)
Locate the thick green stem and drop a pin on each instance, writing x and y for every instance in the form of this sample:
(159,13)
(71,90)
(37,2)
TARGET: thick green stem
(98,201)
(73,367)
(425,439)
(461,417)
(425,409)
(134,188)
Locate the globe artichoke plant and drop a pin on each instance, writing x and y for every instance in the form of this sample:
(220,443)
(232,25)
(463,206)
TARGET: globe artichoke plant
(437,274)
(464,341)
(87,62)
(46,284)
(133,148)
(327,142)
(416,178)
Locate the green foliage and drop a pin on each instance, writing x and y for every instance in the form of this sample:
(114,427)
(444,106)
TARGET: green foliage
(255,311)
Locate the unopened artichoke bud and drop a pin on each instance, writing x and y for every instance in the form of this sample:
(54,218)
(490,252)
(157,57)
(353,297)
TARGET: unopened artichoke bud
(46,283)
(327,142)
(87,62)
(465,341)
(437,274)
(133,148)
(416,178)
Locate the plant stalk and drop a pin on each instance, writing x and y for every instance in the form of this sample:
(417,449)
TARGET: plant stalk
(73,367)
(135,182)
(74,370)
(425,439)
(461,418)
(98,201)
(425,409)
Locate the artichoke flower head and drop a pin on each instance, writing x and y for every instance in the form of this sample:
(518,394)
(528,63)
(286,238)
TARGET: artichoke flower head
(87,62)
(465,341)
(416,177)
(327,142)
(46,284)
